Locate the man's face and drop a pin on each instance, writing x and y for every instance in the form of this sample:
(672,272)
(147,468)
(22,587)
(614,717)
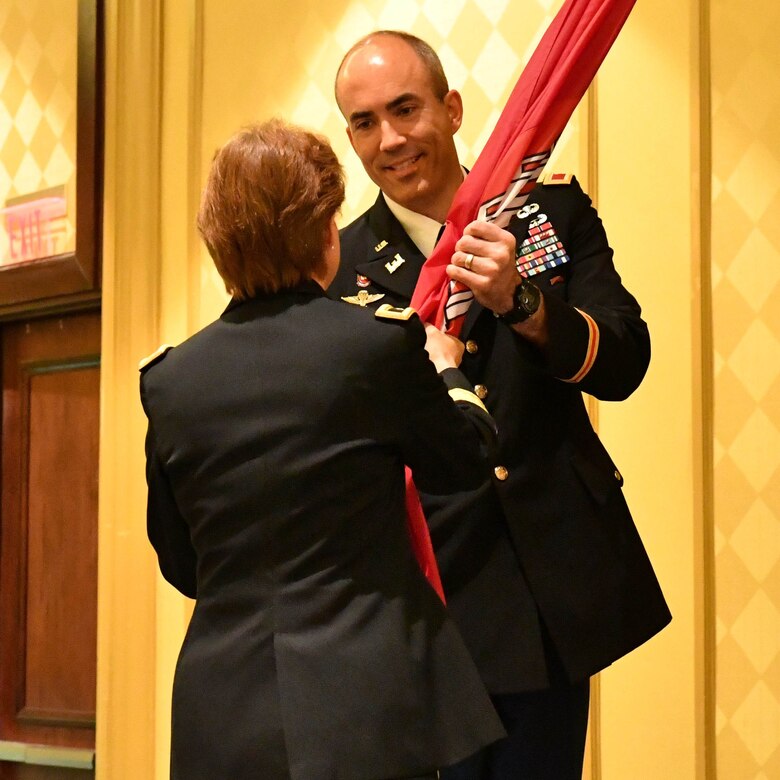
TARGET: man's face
(402,133)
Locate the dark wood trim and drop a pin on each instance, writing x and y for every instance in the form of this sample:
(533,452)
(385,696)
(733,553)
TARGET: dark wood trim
(33,716)
(55,280)
(88,301)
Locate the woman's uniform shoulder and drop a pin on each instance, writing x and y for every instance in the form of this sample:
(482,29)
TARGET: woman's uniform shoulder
(391,327)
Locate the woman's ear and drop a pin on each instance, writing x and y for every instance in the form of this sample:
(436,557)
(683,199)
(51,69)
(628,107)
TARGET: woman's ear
(333,233)
(331,255)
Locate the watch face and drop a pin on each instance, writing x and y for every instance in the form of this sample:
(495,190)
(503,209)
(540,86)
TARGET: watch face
(529,297)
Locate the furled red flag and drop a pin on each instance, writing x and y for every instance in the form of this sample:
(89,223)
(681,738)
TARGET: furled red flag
(549,88)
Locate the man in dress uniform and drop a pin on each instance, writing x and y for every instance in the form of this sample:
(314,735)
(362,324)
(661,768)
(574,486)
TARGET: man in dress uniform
(543,568)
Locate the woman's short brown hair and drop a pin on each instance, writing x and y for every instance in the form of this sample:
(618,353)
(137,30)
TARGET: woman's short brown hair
(270,196)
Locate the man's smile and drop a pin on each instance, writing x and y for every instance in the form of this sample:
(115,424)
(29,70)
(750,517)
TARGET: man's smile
(404,166)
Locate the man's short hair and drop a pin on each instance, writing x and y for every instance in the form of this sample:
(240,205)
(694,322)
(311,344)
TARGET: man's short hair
(270,196)
(423,50)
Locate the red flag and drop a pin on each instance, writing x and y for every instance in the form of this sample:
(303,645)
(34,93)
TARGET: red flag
(550,86)
(420,538)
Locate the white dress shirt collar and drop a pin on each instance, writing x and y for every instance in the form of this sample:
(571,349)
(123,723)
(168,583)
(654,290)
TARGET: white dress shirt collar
(423,230)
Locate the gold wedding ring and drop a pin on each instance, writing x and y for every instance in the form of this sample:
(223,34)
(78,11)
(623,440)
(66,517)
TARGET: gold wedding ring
(468,261)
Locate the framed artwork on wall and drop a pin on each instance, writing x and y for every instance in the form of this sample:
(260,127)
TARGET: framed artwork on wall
(51,114)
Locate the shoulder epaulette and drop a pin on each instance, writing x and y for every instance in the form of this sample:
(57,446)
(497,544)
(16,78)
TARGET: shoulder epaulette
(388,312)
(556,178)
(155,357)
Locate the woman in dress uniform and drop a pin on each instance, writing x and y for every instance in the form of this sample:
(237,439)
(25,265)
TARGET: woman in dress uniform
(276,448)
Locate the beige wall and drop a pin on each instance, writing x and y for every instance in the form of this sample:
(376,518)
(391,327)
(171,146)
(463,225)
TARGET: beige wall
(182,76)
(646,158)
(746,341)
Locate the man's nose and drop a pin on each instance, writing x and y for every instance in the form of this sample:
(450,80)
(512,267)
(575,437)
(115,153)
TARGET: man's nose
(391,139)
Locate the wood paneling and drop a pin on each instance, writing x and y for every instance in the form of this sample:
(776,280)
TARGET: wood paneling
(48,534)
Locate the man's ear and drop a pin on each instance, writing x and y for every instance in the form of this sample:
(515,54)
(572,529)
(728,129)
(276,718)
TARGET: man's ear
(453,102)
(349,135)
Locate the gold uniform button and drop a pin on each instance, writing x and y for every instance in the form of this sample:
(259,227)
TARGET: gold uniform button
(617,476)
(501,472)
(481,392)
(472,347)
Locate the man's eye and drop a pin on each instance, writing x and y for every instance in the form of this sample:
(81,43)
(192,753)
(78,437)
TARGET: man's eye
(406,110)
(363,124)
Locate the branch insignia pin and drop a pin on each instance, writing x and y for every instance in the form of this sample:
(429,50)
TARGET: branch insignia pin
(393,265)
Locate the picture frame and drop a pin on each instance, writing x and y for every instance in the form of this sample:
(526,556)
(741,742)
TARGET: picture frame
(71,279)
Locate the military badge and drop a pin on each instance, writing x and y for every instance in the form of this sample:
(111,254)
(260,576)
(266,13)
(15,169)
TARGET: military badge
(527,210)
(363,298)
(363,281)
(394,264)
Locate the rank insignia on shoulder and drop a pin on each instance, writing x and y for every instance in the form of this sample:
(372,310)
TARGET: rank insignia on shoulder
(394,264)
(388,312)
(155,357)
(380,246)
(363,298)
(363,281)
(556,178)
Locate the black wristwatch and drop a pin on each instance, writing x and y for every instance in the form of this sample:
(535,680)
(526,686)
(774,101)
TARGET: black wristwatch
(526,302)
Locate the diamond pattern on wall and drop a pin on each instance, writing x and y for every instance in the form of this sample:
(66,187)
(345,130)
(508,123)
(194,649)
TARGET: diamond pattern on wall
(757,631)
(38,48)
(746,314)
(757,541)
(755,270)
(757,722)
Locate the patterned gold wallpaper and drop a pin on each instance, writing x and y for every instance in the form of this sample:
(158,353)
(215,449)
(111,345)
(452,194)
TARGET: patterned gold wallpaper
(746,303)
(38,45)
(483,45)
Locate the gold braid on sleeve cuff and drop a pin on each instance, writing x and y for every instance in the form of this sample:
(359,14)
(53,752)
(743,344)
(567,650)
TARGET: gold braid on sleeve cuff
(459,394)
